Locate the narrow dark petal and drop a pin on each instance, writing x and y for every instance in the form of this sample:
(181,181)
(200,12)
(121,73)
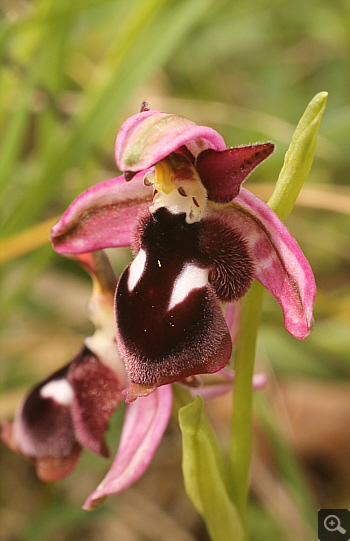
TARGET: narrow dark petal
(222,172)
(96,395)
(169,320)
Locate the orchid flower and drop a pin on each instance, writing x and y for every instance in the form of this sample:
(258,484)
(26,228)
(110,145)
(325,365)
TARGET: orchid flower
(70,409)
(199,240)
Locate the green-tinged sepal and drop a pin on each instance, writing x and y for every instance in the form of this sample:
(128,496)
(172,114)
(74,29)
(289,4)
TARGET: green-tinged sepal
(205,475)
(298,158)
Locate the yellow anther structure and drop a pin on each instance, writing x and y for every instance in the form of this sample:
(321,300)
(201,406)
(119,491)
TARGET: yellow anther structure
(177,187)
(163,172)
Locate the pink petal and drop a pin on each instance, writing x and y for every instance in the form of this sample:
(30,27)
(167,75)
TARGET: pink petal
(280,265)
(101,217)
(259,379)
(145,423)
(233,318)
(222,172)
(146,138)
(209,392)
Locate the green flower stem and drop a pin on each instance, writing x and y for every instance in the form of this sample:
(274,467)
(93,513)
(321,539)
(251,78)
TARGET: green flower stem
(297,164)
(241,427)
(221,496)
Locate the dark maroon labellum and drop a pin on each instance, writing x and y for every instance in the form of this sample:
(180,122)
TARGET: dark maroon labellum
(71,407)
(169,320)
(47,425)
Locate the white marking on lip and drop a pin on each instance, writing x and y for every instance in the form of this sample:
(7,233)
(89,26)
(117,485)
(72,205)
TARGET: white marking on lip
(59,390)
(190,278)
(136,269)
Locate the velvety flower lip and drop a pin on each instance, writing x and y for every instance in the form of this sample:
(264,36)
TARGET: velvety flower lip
(67,411)
(169,321)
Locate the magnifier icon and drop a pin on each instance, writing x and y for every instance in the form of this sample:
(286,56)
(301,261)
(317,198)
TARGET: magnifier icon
(332,524)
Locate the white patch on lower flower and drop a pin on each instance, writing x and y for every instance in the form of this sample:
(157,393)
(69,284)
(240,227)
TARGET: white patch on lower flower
(136,269)
(190,278)
(59,390)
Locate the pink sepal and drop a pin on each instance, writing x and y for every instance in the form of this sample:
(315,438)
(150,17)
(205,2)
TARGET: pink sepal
(144,425)
(101,217)
(146,138)
(215,391)
(233,318)
(279,263)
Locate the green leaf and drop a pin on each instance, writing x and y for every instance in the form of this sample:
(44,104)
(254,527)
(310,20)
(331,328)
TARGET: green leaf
(205,476)
(298,158)
(242,411)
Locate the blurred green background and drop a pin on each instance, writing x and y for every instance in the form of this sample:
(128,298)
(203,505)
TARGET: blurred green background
(72,72)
